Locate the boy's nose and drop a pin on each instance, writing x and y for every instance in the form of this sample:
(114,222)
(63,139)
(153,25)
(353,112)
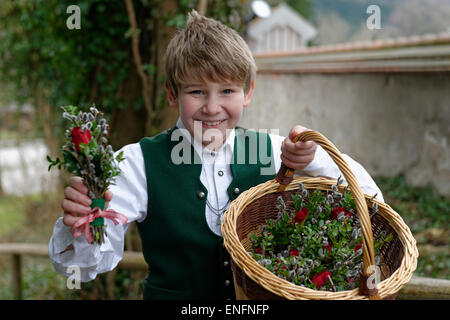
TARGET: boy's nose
(212,105)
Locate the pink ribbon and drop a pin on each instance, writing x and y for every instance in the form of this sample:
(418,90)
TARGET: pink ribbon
(83,224)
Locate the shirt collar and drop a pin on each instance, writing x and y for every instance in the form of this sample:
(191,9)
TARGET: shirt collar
(227,147)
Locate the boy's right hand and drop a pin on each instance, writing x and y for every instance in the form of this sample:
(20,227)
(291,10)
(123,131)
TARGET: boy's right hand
(76,202)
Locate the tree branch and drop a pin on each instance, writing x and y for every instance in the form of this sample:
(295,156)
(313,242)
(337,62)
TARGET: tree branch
(145,79)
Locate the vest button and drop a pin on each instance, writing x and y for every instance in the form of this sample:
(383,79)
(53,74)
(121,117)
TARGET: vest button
(236,190)
(201,195)
(225,263)
(227,282)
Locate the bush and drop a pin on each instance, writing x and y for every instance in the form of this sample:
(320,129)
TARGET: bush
(427,214)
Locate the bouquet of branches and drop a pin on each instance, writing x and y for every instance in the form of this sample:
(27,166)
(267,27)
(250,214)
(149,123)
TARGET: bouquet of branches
(318,243)
(86,153)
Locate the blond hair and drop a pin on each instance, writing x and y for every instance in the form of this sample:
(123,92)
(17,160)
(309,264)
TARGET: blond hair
(207,50)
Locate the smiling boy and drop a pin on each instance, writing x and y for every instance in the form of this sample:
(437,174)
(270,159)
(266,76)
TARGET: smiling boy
(179,205)
(217,107)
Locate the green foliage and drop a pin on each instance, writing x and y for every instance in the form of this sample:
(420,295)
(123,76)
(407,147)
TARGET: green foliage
(426,213)
(304,7)
(41,282)
(12,213)
(44,62)
(228,12)
(39,52)
(420,207)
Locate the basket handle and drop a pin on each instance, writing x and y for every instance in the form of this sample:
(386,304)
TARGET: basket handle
(285,176)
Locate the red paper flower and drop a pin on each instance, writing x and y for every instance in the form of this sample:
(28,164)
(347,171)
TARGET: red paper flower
(258,250)
(336,211)
(328,247)
(357,247)
(300,216)
(294,253)
(321,278)
(80,136)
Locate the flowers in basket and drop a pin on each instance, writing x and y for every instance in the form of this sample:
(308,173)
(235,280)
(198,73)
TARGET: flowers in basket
(86,153)
(318,242)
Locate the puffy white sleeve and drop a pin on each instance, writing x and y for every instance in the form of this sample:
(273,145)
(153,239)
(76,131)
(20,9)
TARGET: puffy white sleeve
(324,166)
(129,198)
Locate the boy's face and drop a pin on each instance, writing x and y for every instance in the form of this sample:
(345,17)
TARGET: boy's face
(209,109)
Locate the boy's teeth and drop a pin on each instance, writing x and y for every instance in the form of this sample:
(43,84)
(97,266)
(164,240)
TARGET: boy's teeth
(208,123)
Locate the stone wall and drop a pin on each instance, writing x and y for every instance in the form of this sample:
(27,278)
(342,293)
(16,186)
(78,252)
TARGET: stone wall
(390,122)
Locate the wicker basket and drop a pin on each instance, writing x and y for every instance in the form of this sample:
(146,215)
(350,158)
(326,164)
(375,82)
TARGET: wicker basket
(398,258)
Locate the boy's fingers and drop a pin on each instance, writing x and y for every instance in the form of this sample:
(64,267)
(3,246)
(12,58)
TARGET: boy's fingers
(298,159)
(305,144)
(296,131)
(69,220)
(74,208)
(299,148)
(77,183)
(108,197)
(297,164)
(299,145)
(75,195)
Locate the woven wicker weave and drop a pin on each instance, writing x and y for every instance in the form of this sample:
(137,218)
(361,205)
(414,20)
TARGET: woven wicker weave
(398,258)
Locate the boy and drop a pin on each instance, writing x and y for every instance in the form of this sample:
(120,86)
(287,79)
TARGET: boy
(177,191)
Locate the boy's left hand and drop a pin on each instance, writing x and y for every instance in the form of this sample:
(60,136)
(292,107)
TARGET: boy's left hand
(297,155)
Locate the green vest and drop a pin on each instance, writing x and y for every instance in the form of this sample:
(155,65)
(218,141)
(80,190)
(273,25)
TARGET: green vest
(186,259)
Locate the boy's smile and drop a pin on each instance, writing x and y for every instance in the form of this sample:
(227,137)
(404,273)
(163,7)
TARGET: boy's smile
(213,107)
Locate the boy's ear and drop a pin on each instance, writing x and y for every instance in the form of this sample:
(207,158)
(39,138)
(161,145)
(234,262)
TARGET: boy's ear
(248,96)
(173,101)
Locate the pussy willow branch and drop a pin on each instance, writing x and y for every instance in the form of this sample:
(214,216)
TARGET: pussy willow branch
(86,181)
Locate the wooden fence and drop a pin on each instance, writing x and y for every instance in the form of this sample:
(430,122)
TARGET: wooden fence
(130,261)
(416,288)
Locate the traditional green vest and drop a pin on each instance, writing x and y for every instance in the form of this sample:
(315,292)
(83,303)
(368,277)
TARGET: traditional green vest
(186,259)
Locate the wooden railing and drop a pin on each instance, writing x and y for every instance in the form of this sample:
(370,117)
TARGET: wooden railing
(416,288)
(130,261)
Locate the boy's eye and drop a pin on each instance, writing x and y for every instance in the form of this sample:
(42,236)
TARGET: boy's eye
(227,91)
(196,92)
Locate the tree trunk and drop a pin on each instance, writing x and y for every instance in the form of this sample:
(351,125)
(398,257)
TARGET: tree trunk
(164,34)
(47,120)
(128,125)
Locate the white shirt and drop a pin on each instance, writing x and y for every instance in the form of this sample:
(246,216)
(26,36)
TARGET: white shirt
(130,198)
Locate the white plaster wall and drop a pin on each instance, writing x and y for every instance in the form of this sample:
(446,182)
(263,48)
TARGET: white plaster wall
(389,122)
